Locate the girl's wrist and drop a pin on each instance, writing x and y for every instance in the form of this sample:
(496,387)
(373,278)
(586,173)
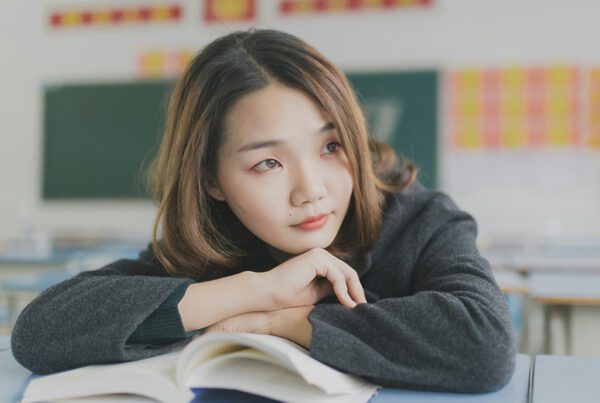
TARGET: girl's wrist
(269,298)
(263,297)
(293,324)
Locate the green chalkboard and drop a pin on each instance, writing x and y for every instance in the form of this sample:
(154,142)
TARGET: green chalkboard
(99,137)
(402,110)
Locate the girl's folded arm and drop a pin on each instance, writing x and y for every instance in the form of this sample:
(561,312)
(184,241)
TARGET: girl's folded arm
(90,318)
(454,333)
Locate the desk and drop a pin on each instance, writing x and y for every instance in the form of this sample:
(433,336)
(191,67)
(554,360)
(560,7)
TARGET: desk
(559,277)
(511,282)
(559,379)
(517,390)
(4,343)
(13,376)
(27,287)
(558,293)
(515,287)
(23,278)
(554,258)
(565,288)
(15,265)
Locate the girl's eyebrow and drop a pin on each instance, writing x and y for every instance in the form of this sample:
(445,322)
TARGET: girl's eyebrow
(254,145)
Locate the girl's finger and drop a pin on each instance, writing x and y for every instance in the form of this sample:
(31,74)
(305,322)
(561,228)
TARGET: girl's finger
(324,289)
(338,281)
(355,288)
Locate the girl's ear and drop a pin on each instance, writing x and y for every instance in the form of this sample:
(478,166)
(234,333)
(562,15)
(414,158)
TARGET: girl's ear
(214,191)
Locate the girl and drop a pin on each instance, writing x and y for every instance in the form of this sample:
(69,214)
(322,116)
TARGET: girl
(278,214)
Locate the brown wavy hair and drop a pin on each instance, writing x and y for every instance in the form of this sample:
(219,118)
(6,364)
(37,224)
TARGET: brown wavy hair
(199,232)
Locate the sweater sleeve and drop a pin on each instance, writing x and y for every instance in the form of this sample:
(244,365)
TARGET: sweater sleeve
(89,318)
(164,325)
(452,333)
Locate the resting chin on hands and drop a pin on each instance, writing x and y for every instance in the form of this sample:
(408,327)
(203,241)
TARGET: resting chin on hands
(307,278)
(294,287)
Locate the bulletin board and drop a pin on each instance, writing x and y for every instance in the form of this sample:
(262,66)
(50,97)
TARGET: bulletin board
(100,138)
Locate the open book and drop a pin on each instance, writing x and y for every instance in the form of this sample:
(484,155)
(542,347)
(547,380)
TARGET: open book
(263,365)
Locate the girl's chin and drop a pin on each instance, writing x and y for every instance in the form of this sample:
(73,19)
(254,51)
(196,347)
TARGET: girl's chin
(282,253)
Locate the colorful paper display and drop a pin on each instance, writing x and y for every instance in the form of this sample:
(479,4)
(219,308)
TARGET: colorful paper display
(163,64)
(115,16)
(318,6)
(229,10)
(593,138)
(515,107)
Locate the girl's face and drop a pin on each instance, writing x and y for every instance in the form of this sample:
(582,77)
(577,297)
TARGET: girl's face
(282,163)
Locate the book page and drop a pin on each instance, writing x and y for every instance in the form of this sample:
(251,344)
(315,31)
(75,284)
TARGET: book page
(287,354)
(118,398)
(255,372)
(153,377)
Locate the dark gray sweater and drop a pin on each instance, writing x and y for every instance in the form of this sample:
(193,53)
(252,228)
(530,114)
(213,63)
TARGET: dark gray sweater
(435,318)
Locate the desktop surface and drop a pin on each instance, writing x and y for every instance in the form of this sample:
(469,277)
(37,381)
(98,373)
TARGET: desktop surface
(559,379)
(517,390)
(13,378)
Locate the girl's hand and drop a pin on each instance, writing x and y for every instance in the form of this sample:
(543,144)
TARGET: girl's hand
(251,322)
(290,323)
(307,278)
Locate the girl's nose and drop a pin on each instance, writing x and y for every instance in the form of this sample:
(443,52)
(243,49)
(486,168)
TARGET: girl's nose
(308,188)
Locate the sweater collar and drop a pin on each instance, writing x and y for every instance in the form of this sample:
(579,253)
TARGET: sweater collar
(362,264)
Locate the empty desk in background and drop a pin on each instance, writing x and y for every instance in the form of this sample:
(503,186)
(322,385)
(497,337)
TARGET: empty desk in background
(13,377)
(22,278)
(558,293)
(27,287)
(560,379)
(515,287)
(548,263)
(511,282)
(15,264)
(550,258)
(540,262)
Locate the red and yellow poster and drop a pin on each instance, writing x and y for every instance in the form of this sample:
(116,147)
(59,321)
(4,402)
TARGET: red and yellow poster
(593,138)
(515,107)
(229,10)
(163,64)
(115,16)
(319,6)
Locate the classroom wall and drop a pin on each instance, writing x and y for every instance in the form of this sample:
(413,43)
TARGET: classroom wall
(529,193)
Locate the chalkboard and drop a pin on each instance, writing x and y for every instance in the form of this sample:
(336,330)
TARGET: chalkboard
(402,110)
(99,138)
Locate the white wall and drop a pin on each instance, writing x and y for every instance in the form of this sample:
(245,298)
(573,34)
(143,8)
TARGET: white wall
(453,33)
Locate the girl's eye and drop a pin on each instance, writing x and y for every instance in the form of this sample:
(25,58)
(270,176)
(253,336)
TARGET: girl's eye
(268,164)
(333,146)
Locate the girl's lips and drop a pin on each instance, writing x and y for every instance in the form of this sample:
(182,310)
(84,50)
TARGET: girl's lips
(314,224)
